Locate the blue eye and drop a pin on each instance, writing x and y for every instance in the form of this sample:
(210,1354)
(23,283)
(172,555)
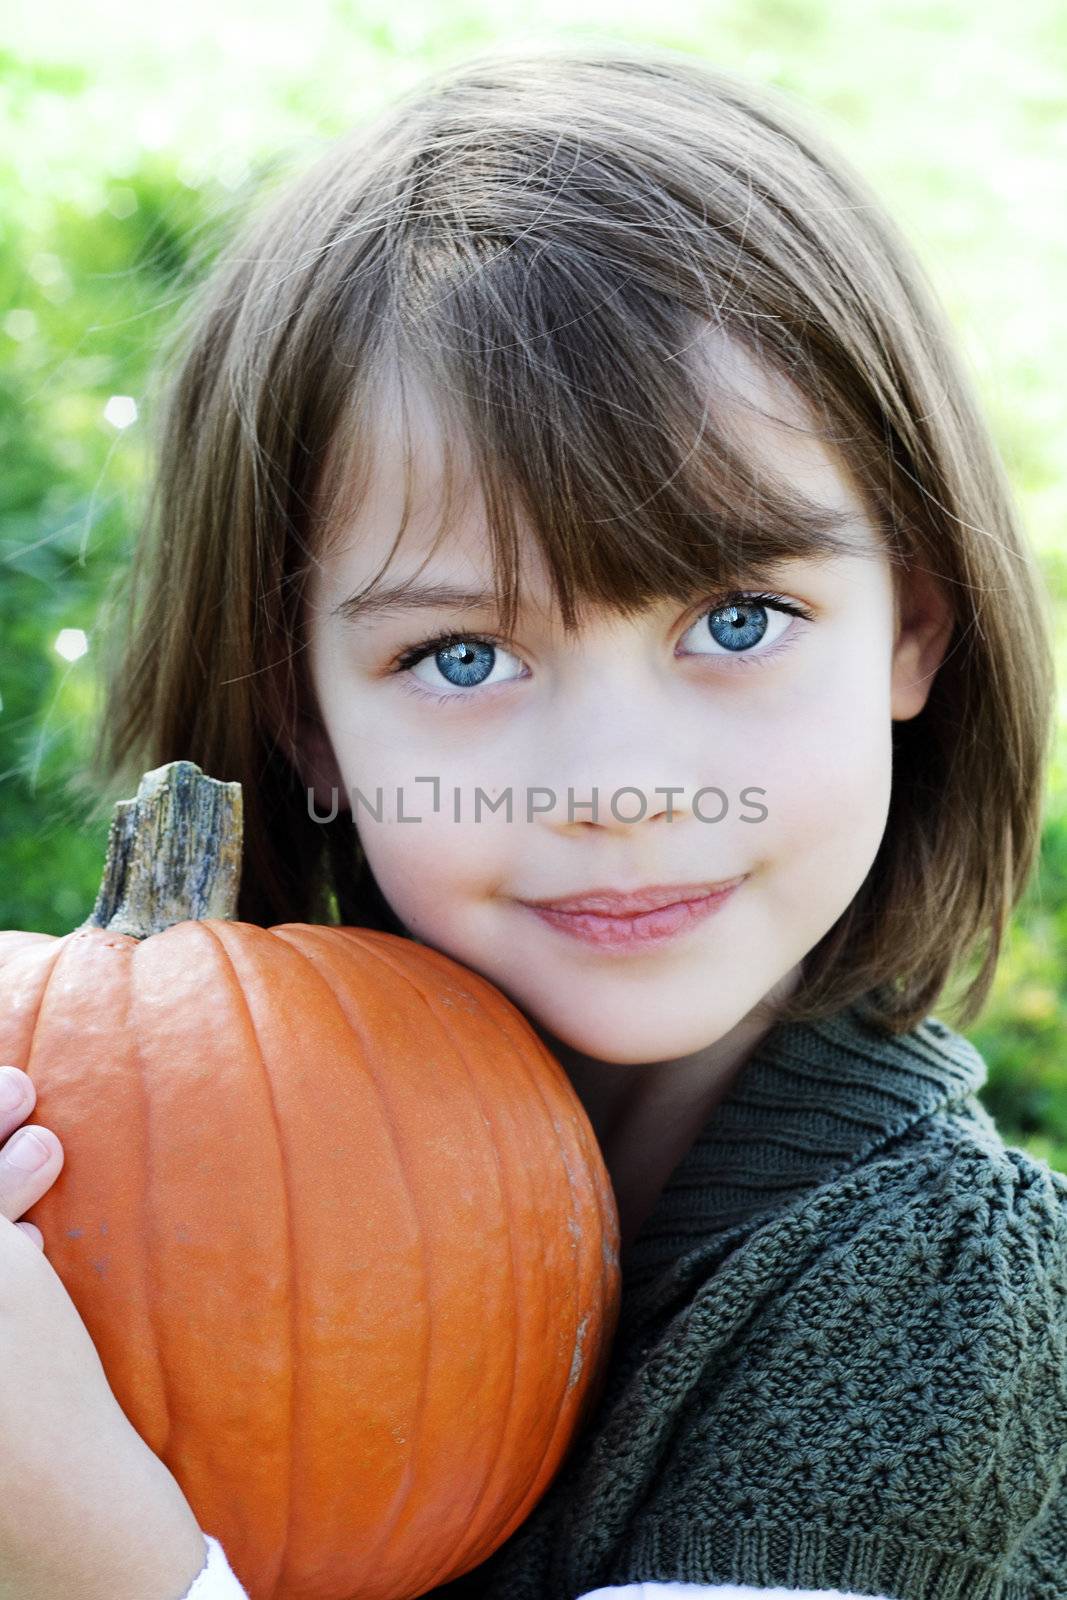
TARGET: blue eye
(736,623)
(741,622)
(463,660)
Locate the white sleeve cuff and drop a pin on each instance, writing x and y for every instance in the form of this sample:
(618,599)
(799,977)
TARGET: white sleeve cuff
(216,1580)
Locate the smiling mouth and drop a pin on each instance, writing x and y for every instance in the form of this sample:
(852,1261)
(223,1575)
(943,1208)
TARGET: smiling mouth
(632,902)
(634,930)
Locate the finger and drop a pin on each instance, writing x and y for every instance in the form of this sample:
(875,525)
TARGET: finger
(30,1162)
(18,1096)
(33,1231)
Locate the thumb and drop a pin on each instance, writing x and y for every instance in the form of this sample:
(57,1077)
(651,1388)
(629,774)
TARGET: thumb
(34,1233)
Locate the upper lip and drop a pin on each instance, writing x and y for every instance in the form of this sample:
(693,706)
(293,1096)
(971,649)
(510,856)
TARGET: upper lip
(621,903)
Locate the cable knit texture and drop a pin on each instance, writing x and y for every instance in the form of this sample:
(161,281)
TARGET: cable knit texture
(840,1360)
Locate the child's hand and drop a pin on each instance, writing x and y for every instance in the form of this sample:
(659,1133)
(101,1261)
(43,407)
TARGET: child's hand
(87,1510)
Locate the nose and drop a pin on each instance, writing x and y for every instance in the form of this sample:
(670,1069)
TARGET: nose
(621,761)
(619,807)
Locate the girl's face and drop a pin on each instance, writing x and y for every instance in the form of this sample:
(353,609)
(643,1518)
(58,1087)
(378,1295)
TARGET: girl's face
(788,737)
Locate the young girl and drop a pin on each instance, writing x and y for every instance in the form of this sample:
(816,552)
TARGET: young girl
(576,462)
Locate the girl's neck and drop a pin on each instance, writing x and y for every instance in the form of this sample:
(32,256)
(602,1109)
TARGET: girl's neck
(646,1115)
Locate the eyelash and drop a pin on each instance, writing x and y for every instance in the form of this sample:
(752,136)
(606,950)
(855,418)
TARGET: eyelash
(775,602)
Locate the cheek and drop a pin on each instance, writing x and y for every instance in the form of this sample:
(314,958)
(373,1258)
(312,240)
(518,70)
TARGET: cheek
(425,869)
(832,783)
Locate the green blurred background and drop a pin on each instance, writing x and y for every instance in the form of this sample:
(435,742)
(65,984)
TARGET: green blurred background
(132,139)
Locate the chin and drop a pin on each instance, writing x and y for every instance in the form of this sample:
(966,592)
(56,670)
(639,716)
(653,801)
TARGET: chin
(633,1042)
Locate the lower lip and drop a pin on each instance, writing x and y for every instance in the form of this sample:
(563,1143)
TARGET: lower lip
(647,929)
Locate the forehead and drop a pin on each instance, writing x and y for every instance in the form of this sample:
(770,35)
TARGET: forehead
(772,419)
(414,439)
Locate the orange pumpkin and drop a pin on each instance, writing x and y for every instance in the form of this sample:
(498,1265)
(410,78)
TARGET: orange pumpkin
(333,1216)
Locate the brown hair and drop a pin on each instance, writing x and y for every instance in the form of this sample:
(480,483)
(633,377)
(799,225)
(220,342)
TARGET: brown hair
(540,235)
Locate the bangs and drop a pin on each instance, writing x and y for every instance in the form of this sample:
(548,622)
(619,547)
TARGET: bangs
(602,435)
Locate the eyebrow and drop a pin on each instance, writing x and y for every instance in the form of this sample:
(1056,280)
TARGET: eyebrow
(401,596)
(404,595)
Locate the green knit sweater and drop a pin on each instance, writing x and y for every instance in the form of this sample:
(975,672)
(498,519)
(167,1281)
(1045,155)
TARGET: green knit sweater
(841,1359)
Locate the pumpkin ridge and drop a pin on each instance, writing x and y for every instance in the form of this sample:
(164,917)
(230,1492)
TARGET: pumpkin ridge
(211,927)
(539,1090)
(354,1021)
(561,1408)
(607,1207)
(60,947)
(604,1197)
(147,1217)
(506,1411)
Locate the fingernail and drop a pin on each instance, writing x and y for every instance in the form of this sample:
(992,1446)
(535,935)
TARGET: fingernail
(12,1089)
(25,1151)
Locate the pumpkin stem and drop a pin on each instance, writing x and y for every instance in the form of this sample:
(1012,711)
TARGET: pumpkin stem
(173,853)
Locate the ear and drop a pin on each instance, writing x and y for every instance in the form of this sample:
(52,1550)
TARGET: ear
(924,627)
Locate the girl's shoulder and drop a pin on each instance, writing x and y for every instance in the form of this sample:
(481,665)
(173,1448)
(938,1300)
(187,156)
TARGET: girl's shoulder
(850,1373)
(875,1381)
(832,1130)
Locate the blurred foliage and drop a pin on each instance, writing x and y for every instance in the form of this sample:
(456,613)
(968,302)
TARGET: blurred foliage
(132,139)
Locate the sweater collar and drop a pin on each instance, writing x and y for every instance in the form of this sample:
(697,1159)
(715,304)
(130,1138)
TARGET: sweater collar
(814,1099)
